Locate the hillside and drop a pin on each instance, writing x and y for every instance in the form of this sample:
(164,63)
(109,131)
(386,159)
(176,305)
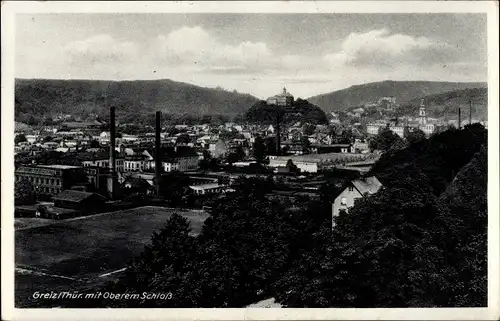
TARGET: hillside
(403,91)
(41,97)
(447,104)
(305,112)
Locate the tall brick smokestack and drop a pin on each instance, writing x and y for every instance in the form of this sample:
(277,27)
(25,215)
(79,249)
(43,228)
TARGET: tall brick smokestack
(158,166)
(470,111)
(112,140)
(459,118)
(278,132)
(112,179)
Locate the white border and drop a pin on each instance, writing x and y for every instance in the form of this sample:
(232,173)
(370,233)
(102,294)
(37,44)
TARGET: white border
(9,9)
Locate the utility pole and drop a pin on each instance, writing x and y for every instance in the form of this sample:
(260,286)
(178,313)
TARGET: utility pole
(470,111)
(459,118)
(278,133)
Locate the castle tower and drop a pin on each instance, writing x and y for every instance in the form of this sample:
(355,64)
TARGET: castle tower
(421,113)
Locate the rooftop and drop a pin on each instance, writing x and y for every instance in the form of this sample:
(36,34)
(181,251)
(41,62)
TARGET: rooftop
(205,186)
(369,185)
(75,196)
(60,166)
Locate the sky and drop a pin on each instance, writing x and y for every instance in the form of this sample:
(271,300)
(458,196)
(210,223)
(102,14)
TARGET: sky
(258,54)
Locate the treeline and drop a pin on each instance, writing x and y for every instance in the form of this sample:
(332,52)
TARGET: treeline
(447,104)
(419,242)
(243,249)
(304,112)
(36,98)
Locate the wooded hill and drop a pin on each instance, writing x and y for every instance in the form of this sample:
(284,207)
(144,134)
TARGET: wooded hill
(420,241)
(304,111)
(44,97)
(404,91)
(447,104)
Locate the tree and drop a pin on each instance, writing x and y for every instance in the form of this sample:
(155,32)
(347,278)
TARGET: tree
(306,145)
(174,188)
(308,129)
(292,168)
(183,139)
(467,201)
(346,137)
(19,138)
(384,140)
(94,144)
(386,240)
(440,157)
(48,139)
(24,192)
(237,155)
(164,265)
(259,150)
(414,135)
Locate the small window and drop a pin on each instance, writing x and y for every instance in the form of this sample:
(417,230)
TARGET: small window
(351,188)
(343,201)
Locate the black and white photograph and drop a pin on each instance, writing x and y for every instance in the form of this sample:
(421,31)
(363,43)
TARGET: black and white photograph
(254,159)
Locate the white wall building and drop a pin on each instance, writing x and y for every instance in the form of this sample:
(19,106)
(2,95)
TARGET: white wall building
(354,190)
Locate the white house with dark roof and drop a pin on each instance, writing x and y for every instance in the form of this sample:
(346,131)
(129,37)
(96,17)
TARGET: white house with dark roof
(354,190)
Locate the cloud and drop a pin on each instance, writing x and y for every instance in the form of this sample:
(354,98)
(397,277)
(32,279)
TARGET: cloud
(195,47)
(101,49)
(381,49)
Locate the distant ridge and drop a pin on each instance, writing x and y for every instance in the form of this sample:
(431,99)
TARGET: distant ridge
(44,97)
(404,91)
(447,104)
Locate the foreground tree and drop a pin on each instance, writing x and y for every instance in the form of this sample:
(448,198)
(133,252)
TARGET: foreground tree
(390,241)
(384,140)
(467,201)
(414,136)
(259,150)
(19,139)
(24,192)
(174,188)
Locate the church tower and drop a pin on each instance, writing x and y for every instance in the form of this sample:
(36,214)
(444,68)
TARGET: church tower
(421,113)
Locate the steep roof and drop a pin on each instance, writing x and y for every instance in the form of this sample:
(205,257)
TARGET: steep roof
(369,185)
(75,196)
(137,182)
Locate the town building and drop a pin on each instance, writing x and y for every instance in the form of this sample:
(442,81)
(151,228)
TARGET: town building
(332,148)
(137,185)
(218,148)
(305,165)
(283,99)
(208,188)
(51,179)
(136,163)
(81,201)
(101,159)
(374,128)
(425,126)
(353,191)
(97,178)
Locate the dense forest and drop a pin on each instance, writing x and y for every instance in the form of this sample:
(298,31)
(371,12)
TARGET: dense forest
(303,111)
(403,91)
(39,98)
(419,242)
(447,104)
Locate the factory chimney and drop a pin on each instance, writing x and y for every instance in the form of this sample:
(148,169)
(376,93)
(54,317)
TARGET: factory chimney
(112,139)
(470,111)
(459,118)
(278,133)
(158,165)
(112,178)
